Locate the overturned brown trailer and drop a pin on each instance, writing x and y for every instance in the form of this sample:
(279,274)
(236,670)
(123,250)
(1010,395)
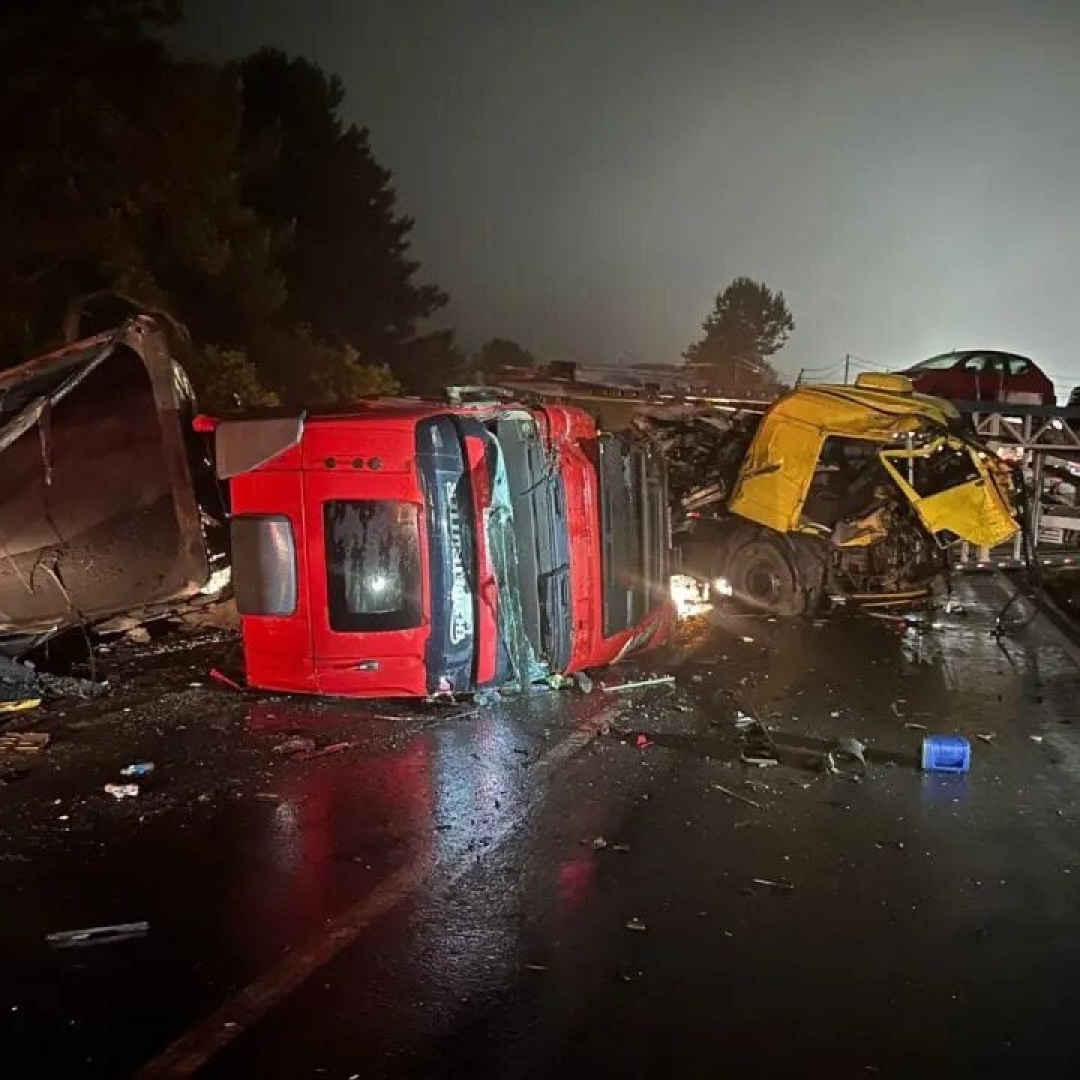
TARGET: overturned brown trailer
(98,475)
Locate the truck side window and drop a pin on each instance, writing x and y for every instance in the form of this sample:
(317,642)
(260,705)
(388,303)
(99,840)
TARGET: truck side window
(264,564)
(372,565)
(946,468)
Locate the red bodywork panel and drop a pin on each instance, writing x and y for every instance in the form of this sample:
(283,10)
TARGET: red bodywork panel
(413,487)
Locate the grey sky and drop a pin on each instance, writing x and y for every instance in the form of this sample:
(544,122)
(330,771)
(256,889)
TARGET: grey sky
(586,175)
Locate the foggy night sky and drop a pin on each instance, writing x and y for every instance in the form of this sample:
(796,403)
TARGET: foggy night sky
(586,176)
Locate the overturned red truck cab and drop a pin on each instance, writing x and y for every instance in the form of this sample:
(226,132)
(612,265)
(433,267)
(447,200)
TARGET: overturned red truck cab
(409,548)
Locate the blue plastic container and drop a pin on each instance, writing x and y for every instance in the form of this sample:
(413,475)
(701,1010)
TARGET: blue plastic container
(946,753)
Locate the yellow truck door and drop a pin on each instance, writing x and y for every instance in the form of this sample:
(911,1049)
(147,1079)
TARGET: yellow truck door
(777,473)
(973,508)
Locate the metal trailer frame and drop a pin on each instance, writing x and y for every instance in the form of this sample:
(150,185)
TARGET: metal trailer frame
(1038,432)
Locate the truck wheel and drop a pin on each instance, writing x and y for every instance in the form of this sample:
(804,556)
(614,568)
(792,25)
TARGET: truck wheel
(762,576)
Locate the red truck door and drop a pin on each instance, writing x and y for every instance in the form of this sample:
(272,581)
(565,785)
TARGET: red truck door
(364,556)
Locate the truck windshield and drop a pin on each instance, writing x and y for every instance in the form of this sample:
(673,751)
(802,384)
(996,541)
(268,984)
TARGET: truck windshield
(372,565)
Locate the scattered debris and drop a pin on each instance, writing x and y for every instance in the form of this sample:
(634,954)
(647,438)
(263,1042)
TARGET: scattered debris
(138,635)
(536,967)
(747,639)
(622,848)
(98,935)
(1036,738)
(24,742)
(325,751)
(758,747)
(584,682)
(122,791)
(637,925)
(599,844)
(22,686)
(897,845)
(464,714)
(139,768)
(660,680)
(760,760)
(784,886)
(644,742)
(987,736)
(296,745)
(848,759)
(916,727)
(735,795)
(219,676)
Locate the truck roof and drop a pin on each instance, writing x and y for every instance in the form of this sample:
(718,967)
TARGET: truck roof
(865,410)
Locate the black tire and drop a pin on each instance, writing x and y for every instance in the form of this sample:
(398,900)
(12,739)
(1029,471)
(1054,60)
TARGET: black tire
(763,578)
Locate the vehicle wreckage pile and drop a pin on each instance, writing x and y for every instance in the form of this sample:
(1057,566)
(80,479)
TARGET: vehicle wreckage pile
(410,548)
(849,493)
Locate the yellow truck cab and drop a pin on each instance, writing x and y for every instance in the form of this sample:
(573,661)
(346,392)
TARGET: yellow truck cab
(854,491)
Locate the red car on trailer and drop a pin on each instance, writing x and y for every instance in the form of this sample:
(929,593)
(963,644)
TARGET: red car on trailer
(408,548)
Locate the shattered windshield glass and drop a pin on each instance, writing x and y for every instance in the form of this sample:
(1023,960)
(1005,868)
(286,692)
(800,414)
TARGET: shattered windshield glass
(946,468)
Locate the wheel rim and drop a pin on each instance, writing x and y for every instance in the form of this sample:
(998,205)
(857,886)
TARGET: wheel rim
(763,584)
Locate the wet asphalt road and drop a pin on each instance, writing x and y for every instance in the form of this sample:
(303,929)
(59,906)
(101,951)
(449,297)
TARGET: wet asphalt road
(525,892)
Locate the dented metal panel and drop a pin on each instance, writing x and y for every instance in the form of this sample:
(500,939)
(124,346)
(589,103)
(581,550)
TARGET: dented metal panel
(967,504)
(98,513)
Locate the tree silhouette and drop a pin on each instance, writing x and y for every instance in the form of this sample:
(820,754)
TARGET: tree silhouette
(231,198)
(348,273)
(748,324)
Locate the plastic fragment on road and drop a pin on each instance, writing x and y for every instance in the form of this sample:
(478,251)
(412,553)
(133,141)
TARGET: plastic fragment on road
(660,680)
(122,791)
(987,737)
(219,676)
(783,886)
(139,768)
(637,925)
(1036,738)
(97,935)
(599,844)
(946,753)
(643,742)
